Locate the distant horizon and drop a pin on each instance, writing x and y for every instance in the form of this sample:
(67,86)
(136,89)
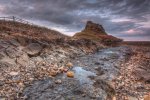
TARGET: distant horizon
(126,19)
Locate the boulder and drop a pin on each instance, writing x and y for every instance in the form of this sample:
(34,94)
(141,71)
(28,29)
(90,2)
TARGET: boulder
(33,49)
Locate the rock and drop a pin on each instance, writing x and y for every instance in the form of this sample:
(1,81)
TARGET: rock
(2,98)
(70,74)
(13,52)
(65,69)
(58,81)
(8,61)
(96,28)
(33,49)
(142,74)
(69,65)
(23,60)
(114,98)
(13,73)
(53,73)
(61,69)
(21,84)
(1,56)
(1,47)
(31,79)
(22,41)
(147,97)
(1,83)
(132,98)
(14,42)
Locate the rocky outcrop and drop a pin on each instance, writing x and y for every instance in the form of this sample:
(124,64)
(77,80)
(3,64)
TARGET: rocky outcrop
(95,28)
(96,32)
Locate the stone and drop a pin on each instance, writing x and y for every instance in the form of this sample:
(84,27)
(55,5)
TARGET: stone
(53,73)
(114,98)
(21,84)
(132,98)
(147,97)
(12,52)
(61,69)
(22,41)
(33,49)
(13,73)
(14,42)
(69,65)
(65,69)
(70,74)
(23,60)
(58,81)
(8,61)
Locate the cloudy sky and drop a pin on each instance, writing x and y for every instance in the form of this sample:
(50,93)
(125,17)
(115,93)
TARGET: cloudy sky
(127,19)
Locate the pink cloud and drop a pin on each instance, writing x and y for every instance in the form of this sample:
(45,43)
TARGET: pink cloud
(133,31)
(2,8)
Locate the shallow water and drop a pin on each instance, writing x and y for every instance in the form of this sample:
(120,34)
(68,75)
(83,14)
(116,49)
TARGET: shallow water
(83,75)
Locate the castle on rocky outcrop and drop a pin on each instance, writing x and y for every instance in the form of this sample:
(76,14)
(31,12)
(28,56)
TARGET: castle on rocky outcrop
(93,27)
(96,32)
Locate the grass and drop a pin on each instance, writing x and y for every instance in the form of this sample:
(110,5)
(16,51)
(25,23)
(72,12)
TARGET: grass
(25,30)
(98,37)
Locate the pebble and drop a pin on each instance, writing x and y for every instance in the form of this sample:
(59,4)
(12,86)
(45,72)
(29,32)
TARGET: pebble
(53,73)
(13,73)
(69,65)
(70,74)
(58,81)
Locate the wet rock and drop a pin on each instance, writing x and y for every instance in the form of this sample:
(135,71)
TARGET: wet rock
(83,75)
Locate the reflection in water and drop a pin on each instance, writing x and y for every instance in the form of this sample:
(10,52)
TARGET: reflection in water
(83,75)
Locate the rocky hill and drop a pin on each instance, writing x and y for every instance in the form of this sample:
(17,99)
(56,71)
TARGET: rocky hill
(96,32)
(11,29)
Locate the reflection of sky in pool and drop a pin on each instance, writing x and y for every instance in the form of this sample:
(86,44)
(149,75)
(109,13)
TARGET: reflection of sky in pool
(83,75)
